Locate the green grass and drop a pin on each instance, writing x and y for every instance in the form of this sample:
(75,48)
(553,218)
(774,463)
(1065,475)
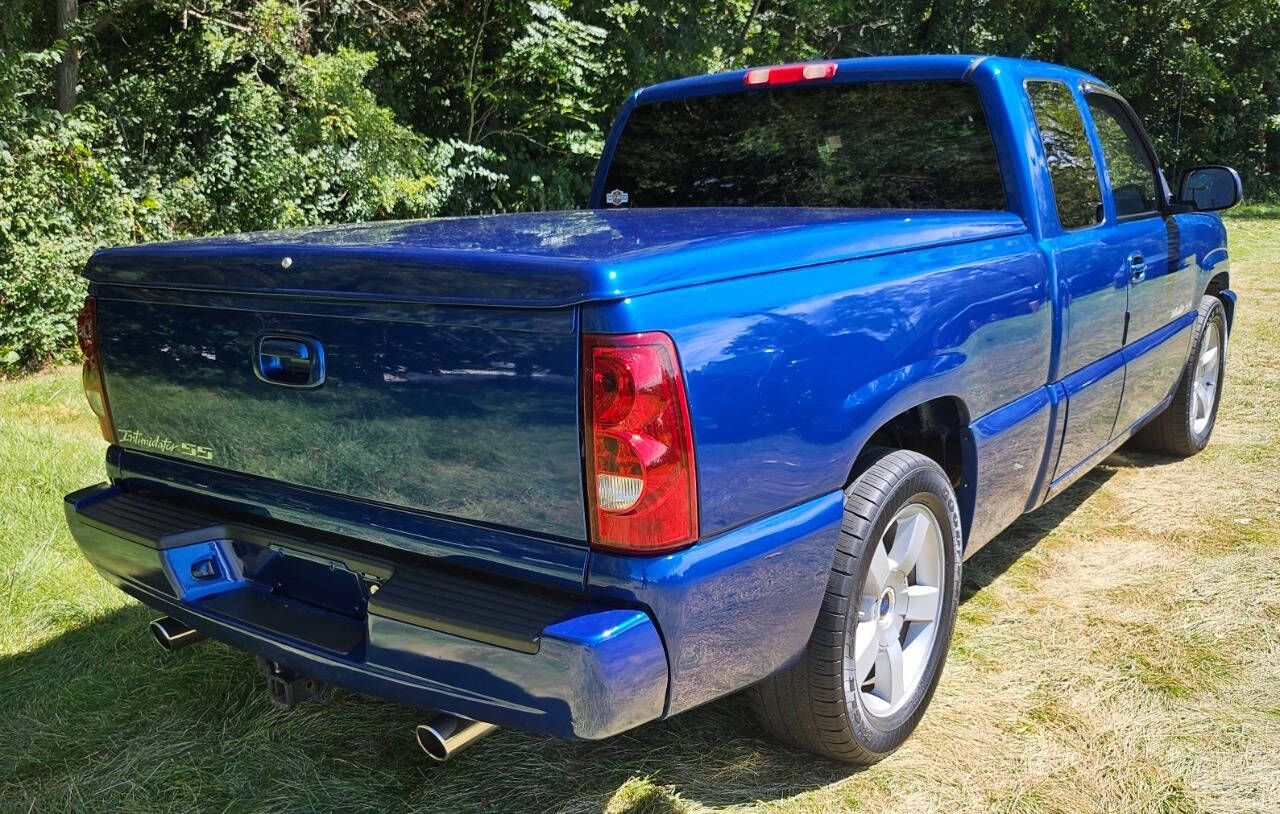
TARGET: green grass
(1119,650)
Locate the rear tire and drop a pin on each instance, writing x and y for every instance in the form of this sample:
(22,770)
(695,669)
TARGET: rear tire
(1183,428)
(881,638)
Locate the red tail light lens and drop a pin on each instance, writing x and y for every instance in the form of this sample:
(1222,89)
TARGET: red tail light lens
(641,482)
(94,391)
(786,74)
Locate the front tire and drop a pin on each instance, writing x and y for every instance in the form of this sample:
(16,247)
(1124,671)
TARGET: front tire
(1183,428)
(876,653)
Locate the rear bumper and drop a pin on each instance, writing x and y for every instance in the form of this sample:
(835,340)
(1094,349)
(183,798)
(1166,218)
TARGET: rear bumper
(589,672)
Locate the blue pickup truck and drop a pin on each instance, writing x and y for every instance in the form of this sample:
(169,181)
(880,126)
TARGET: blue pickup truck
(824,330)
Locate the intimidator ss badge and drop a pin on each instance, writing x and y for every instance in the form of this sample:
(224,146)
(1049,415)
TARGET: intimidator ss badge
(164,445)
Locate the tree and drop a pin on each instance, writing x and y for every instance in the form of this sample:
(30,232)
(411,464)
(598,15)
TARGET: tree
(67,12)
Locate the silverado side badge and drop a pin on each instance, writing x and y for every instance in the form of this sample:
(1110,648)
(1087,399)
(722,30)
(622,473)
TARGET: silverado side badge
(616,198)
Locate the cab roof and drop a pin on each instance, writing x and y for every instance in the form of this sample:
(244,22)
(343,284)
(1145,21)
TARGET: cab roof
(943,67)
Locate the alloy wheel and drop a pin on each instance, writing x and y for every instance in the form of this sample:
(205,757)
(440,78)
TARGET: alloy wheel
(899,608)
(1208,368)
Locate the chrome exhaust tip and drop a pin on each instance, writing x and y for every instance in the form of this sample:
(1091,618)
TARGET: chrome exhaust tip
(446,735)
(172,635)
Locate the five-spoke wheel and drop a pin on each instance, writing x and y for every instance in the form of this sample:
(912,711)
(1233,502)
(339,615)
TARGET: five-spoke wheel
(1184,427)
(1205,392)
(882,633)
(898,611)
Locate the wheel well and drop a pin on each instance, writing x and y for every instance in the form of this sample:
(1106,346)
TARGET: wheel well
(1220,283)
(935,429)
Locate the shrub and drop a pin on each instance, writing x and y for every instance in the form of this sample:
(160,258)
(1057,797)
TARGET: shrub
(61,194)
(294,139)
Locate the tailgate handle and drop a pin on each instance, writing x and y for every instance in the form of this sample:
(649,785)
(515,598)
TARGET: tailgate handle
(289,361)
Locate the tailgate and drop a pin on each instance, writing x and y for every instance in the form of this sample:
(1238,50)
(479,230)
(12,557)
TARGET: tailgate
(463,411)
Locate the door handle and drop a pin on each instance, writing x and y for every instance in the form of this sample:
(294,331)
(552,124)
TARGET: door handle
(1137,268)
(289,361)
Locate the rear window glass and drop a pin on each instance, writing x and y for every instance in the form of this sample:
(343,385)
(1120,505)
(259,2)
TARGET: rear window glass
(908,145)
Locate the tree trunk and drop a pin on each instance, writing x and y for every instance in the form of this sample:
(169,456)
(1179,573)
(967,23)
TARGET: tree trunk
(69,67)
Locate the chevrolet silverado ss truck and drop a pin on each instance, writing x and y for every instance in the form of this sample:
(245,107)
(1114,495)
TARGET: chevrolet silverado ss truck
(824,330)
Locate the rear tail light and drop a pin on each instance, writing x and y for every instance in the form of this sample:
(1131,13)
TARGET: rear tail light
(641,483)
(786,74)
(94,391)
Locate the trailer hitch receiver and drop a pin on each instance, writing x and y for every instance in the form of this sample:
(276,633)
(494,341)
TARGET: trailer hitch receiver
(286,686)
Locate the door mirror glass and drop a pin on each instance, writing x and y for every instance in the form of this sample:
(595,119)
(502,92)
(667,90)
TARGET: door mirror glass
(1210,188)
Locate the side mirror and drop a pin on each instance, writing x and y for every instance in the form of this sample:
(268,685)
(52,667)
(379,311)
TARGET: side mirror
(1210,188)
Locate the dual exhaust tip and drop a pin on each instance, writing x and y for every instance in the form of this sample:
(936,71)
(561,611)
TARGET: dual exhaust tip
(172,635)
(446,735)
(441,738)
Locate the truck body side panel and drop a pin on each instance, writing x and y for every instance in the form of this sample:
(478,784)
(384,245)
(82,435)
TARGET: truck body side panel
(1204,245)
(784,391)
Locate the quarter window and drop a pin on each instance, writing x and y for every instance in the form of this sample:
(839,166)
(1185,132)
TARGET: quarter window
(1129,169)
(1066,148)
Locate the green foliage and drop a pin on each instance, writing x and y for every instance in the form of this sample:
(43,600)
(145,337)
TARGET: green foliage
(229,115)
(60,196)
(312,147)
(268,135)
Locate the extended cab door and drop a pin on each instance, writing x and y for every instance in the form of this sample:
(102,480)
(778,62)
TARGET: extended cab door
(1091,265)
(1161,286)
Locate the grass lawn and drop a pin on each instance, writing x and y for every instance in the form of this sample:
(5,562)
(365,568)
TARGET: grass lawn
(1118,650)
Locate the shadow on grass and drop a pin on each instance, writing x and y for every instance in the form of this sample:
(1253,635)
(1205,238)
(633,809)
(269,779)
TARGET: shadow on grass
(997,556)
(100,719)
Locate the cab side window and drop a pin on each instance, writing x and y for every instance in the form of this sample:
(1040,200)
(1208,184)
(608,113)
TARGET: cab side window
(1066,148)
(1130,171)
